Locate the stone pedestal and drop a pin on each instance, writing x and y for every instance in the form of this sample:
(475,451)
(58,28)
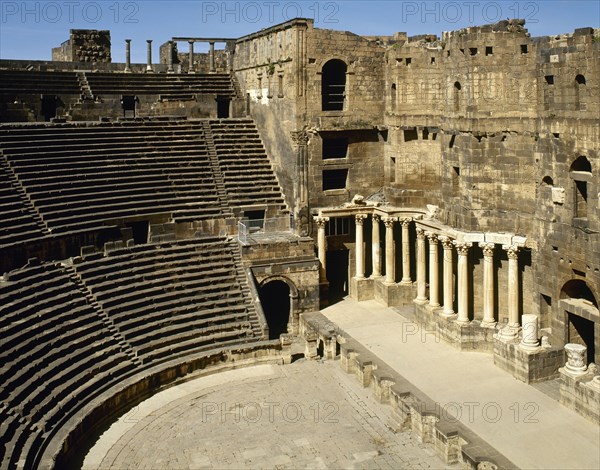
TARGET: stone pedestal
(361,289)
(527,365)
(581,394)
(394,295)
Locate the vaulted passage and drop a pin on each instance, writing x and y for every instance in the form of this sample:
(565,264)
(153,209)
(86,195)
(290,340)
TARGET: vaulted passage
(275,300)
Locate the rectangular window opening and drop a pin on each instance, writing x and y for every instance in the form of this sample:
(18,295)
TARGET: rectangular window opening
(410,134)
(549,79)
(338,226)
(433,60)
(334,179)
(489,50)
(408,61)
(335,148)
(472,50)
(524,49)
(452,140)
(425,134)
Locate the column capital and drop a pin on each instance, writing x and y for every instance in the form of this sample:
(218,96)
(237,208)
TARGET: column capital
(321,221)
(376,217)
(512,251)
(190,41)
(360,218)
(149,41)
(420,234)
(447,242)
(300,138)
(463,247)
(432,236)
(128,40)
(406,221)
(488,248)
(389,221)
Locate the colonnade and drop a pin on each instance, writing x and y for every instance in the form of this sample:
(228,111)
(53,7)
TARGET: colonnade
(428,245)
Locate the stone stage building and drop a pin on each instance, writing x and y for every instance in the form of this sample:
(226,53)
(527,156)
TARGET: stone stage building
(288,169)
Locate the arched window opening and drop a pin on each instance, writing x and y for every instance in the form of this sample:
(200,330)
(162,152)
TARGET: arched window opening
(457,92)
(580,79)
(333,85)
(547,181)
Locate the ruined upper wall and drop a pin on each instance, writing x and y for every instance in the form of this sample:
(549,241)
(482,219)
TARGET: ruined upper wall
(84,45)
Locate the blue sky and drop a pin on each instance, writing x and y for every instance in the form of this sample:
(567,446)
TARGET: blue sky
(29,29)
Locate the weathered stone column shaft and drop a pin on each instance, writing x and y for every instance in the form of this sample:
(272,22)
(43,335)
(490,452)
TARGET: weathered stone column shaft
(149,56)
(433,270)
(488,283)
(406,251)
(360,248)
(127,55)
(448,245)
(191,57)
(376,246)
(321,247)
(421,265)
(463,287)
(390,252)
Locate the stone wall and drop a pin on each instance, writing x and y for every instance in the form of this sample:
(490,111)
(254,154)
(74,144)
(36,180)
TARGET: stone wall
(84,45)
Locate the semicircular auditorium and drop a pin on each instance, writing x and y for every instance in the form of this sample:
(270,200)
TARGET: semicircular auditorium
(166,220)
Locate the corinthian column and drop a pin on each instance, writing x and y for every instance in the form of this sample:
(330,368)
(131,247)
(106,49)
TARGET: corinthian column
(488,284)
(406,252)
(127,55)
(390,260)
(376,247)
(433,270)
(448,245)
(421,264)
(321,248)
(360,248)
(191,57)
(463,287)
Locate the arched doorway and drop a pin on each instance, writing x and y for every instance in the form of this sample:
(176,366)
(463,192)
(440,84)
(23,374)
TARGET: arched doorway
(333,85)
(580,309)
(276,301)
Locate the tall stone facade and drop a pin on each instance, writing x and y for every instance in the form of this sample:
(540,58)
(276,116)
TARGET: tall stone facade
(486,139)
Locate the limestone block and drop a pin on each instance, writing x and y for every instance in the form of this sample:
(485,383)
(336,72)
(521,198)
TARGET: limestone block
(499,238)
(558,195)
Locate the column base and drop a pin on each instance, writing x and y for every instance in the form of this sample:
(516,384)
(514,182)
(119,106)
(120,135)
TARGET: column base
(406,282)
(508,334)
(529,348)
(488,324)
(421,301)
(462,322)
(127,70)
(448,315)
(149,70)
